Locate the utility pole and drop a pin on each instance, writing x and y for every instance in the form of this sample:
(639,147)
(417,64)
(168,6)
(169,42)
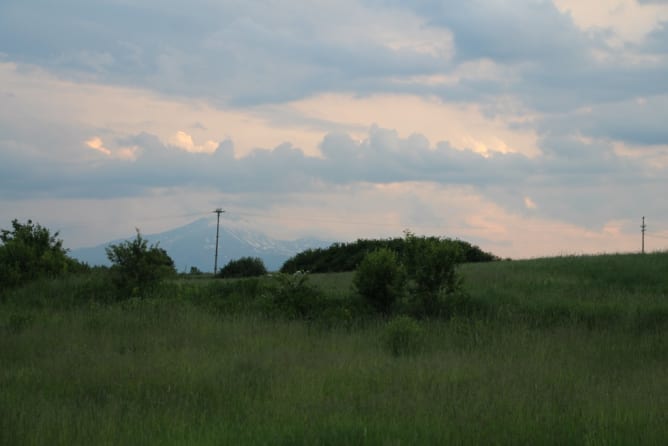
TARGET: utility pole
(643,228)
(215,261)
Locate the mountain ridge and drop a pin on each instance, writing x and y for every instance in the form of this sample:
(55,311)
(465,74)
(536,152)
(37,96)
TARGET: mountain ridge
(194,244)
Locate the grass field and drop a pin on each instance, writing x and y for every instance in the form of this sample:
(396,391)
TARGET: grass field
(568,350)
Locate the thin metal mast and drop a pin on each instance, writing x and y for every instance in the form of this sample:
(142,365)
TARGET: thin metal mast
(215,261)
(643,228)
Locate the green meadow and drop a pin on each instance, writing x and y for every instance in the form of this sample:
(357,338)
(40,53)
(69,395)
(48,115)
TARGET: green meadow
(568,350)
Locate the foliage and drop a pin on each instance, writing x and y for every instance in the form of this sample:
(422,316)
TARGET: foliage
(243,267)
(426,269)
(574,343)
(138,267)
(29,251)
(431,265)
(403,336)
(380,279)
(293,296)
(340,257)
(67,291)
(195,271)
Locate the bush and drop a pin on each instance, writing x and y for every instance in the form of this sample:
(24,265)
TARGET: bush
(195,271)
(403,336)
(138,267)
(243,267)
(293,296)
(380,279)
(28,251)
(426,269)
(435,286)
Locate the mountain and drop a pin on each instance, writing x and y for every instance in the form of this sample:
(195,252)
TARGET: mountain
(194,245)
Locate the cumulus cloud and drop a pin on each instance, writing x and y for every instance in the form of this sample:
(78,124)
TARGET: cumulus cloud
(625,20)
(185,141)
(583,175)
(95,143)
(547,111)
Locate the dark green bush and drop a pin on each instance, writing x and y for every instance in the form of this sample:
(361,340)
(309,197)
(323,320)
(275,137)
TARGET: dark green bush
(293,296)
(435,287)
(380,279)
(243,267)
(423,281)
(195,271)
(28,252)
(137,267)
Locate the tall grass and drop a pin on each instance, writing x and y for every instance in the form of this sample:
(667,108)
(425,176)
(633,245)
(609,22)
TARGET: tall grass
(613,291)
(169,370)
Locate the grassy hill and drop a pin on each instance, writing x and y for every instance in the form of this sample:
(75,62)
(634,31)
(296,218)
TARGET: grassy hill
(568,350)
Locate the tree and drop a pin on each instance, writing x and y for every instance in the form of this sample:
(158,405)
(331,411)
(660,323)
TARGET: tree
(380,279)
(195,271)
(138,267)
(431,265)
(29,251)
(244,267)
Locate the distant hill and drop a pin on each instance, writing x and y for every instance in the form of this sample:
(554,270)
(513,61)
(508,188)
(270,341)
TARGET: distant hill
(194,245)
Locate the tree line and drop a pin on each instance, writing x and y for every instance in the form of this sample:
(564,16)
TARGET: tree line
(343,257)
(411,275)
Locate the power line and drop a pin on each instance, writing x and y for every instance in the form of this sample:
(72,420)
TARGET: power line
(652,235)
(162,217)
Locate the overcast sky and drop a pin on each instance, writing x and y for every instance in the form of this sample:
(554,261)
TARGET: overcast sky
(528,127)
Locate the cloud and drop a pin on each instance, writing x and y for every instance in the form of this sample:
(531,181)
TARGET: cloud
(627,20)
(573,176)
(243,54)
(465,126)
(548,113)
(529,203)
(95,143)
(656,40)
(185,141)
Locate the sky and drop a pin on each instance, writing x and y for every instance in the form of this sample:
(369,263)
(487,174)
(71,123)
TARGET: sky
(528,127)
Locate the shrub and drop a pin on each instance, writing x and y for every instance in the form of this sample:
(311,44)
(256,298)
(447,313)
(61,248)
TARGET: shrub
(29,251)
(431,266)
(403,336)
(243,267)
(138,267)
(380,279)
(293,296)
(195,271)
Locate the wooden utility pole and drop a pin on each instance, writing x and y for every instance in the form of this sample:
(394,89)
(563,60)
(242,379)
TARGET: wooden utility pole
(643,228)
(215,261)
